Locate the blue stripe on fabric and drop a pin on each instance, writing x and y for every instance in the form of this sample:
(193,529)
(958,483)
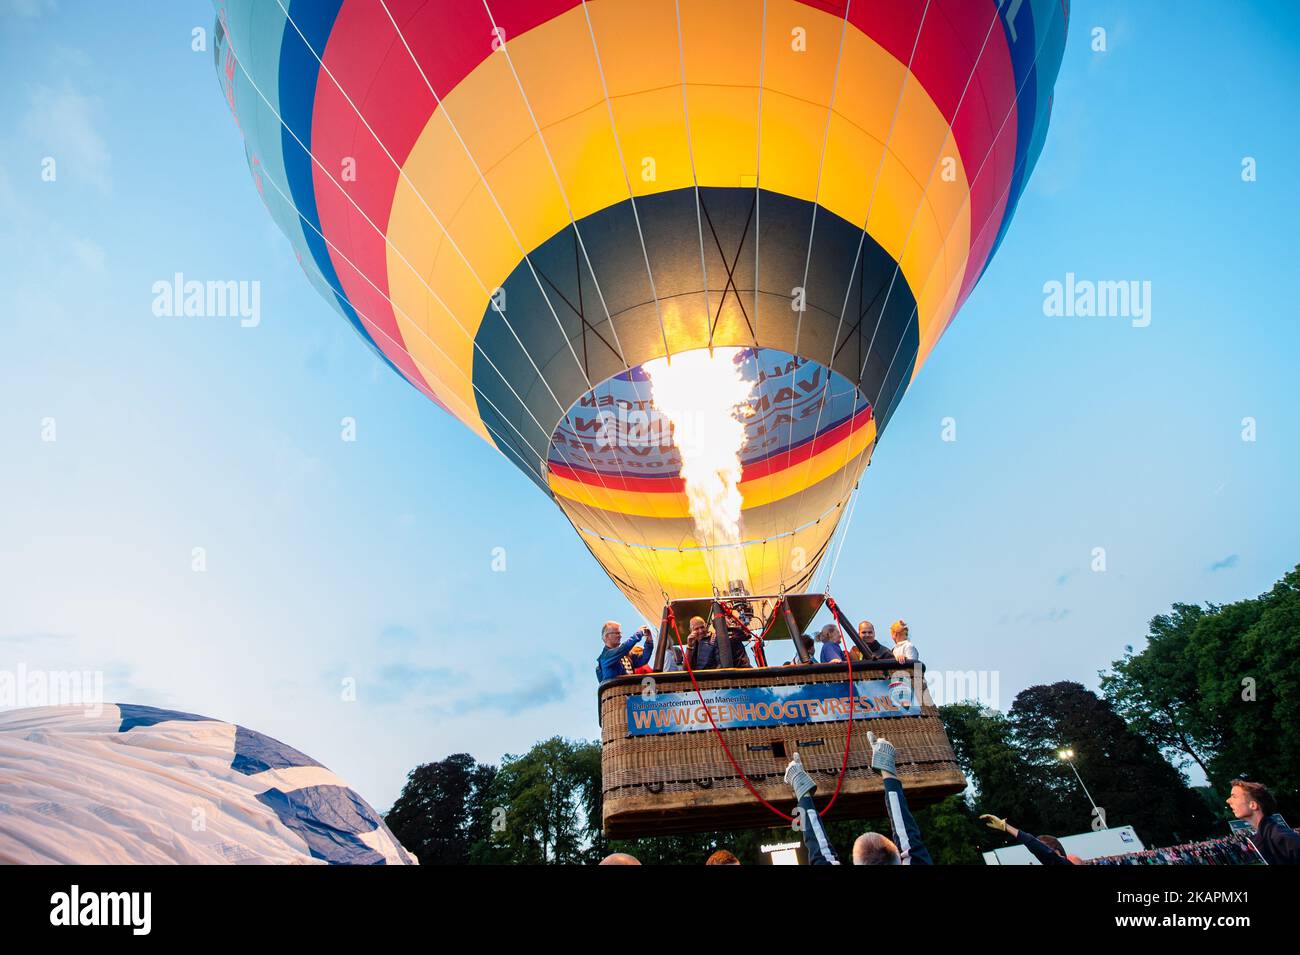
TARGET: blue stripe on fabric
(328,819)
(299,73)
(256,753)
(134,715)
(1034,57)
(1022,49)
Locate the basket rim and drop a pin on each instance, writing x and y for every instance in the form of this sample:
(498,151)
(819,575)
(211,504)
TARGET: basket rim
(719,675)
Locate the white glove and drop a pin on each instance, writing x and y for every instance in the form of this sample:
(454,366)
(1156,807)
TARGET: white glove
(884,758)
(798,778)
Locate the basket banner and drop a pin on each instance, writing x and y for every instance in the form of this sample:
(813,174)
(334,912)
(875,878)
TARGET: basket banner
(650,713)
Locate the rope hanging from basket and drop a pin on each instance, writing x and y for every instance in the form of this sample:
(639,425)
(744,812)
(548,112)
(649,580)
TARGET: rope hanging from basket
(686,658)
(844,765)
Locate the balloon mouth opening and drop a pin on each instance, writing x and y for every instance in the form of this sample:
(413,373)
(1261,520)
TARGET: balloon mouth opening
(706,397)
(791,416)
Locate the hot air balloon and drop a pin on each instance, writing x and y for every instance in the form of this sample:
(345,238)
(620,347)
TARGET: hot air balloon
(571,223)
(128,784)
(519,205)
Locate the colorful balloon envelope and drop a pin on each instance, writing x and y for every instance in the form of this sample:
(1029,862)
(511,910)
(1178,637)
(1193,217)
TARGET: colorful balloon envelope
(521,205)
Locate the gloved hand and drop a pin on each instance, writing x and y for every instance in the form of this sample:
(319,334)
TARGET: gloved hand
(884,758)
(993,822)
(798,778)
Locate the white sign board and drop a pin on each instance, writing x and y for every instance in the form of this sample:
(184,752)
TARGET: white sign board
(1085,845)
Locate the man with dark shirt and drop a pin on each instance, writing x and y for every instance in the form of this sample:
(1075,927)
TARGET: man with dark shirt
(1252,802)
(704,652)
(875,649)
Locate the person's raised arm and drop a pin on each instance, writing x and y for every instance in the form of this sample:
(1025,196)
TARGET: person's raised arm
(806,819)
(907,834)
(1039,849)
(626,646)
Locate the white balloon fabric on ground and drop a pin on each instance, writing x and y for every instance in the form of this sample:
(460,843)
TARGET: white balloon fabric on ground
(140,785)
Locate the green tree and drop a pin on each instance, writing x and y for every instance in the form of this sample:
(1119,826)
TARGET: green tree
(953,833)
(1220,686)
(1157,691)
(1126,774)
(432,816)
(538,808)
(478,827)
(1003,781)
(1254,695)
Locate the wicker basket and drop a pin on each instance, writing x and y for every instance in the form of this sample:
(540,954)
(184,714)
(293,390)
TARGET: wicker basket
(684,782)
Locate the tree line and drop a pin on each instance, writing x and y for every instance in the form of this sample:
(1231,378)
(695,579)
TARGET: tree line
(1216,686)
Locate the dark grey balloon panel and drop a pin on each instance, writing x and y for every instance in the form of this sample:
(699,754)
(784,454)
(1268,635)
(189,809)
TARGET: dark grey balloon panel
(583,306)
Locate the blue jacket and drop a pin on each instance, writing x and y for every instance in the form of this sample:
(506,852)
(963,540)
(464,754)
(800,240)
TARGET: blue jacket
(907,834)
(1041,851)
(831,653)
(706,655)
(610,662)
(814,835)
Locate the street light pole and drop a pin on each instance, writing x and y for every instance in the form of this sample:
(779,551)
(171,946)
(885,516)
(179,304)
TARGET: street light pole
(1067,756)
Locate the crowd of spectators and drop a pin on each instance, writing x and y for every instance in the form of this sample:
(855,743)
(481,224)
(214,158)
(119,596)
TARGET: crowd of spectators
(1230,850)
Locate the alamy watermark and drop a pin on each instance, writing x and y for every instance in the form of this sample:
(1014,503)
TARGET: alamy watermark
(179,297)
(1085,298)
(949,686)
(21,687)
(131,910)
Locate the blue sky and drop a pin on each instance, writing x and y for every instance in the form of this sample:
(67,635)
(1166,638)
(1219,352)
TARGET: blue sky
(371,560)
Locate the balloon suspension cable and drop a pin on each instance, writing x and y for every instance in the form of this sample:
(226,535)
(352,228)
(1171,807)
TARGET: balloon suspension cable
(848,741)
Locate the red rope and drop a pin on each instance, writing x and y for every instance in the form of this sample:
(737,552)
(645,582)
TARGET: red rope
(686,656)
(848,742)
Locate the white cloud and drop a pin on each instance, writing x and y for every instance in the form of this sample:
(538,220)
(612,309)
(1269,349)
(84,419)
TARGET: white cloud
(89,253)
(62,124)
(27,9)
